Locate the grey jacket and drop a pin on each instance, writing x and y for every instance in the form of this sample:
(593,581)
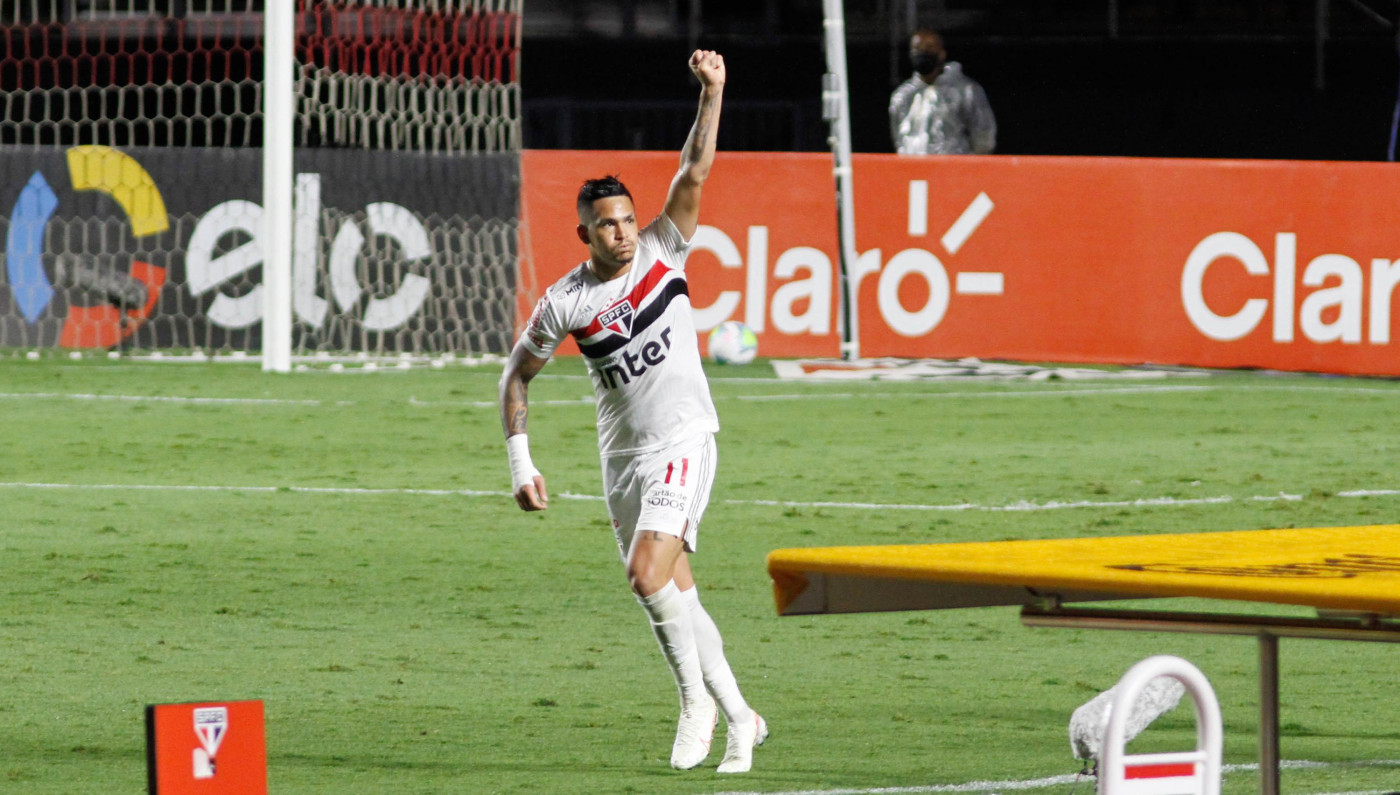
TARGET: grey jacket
(950,117)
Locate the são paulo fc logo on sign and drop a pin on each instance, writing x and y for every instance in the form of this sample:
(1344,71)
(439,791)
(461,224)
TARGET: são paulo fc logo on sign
(210,726)
(106,302)
(618,318)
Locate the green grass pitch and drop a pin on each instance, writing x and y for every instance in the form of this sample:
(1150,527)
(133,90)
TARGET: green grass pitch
(339,546)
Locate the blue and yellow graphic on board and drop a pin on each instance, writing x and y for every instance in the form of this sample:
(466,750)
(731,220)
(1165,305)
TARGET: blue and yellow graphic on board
(120,177)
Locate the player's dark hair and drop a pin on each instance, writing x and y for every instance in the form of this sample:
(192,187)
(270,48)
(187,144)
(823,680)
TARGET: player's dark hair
(601,188)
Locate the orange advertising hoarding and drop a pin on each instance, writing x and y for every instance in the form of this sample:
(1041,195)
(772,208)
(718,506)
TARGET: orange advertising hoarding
(1286,265)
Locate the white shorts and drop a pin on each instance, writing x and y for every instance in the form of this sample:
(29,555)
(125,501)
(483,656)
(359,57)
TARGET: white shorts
(665,490)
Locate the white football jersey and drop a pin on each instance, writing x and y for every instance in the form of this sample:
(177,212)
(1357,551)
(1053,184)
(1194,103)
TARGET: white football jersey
(638,339)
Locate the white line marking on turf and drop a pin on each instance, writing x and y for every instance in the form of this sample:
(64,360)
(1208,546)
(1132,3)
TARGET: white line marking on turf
(1121,390)
(588,400)
(1312,388)
(584,400)
(1021,505)
(273,489)
(160,399)
(989,787)
(971,787)
(1058,390)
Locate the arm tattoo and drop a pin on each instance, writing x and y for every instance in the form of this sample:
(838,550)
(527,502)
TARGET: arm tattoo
(514,390)
(700,141)
(517,408)
(702,132)
(515,399)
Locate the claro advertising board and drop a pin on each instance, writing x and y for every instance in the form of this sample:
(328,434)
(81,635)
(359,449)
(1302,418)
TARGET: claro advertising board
(1268,264)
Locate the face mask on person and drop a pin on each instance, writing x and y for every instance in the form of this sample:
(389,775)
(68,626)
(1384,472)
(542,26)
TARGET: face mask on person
(926,62)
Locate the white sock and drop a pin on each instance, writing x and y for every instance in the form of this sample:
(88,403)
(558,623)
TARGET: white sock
(671,622)
(718,676)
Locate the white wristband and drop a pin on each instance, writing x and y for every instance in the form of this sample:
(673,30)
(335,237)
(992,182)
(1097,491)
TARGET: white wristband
(522,469)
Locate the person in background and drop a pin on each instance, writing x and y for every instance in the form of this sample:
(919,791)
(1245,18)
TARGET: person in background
(940,110)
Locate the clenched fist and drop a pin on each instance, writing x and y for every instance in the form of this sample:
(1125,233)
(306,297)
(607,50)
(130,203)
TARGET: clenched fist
(708,65)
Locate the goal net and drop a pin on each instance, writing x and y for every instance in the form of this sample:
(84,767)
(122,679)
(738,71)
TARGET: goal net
(130,175)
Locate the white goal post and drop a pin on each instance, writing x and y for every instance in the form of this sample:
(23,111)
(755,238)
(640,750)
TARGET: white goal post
(836,109)
(279,136)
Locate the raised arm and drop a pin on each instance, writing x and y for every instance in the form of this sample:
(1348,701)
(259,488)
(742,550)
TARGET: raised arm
(526,482)
(683,200)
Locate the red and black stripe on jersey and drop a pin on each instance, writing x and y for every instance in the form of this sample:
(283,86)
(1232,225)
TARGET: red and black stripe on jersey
(661,298)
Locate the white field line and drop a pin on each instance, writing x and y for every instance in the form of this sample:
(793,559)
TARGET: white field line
(970,787)
(1120,390)
(584,400)
(991,787)
(1058,391)
(159,399)
(588,400)
(361,492)
(1311,388)
(1021,505)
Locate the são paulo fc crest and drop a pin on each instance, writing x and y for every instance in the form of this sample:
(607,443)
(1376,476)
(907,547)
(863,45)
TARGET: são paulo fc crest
(210,725)
(618,318)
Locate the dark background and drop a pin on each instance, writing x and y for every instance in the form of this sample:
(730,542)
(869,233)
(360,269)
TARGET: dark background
(1295,79)
(1298,79)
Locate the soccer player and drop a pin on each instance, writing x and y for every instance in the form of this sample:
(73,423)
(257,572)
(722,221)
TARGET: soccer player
(628,307)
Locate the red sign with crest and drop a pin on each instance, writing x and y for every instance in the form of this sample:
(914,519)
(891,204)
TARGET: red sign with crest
(214,748)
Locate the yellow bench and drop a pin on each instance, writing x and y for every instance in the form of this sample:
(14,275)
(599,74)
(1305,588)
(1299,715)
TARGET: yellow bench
(1350,575)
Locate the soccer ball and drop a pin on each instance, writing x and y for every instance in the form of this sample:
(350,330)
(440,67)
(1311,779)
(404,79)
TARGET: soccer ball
(731,342)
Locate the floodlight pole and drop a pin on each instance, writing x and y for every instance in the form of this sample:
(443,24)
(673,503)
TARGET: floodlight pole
(279,112)
(836,109)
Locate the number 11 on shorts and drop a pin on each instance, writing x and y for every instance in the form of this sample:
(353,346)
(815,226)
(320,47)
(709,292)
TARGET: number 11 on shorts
(671,469)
